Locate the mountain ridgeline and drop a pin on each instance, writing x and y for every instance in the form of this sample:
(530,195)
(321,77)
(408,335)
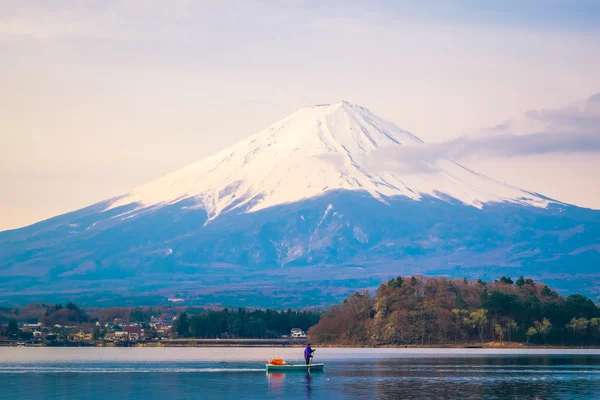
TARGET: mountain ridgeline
(440,311)
(315,207)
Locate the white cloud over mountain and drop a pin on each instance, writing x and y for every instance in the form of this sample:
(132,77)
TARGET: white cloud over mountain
(573,129)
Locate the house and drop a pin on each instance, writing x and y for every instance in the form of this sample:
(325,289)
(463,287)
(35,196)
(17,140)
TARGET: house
(297,333)
(121,335)
(134,332)
(82,337)
(30,327)
(115,333)
(163,328)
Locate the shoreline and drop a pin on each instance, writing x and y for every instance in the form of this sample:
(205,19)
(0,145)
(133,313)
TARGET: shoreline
(283,343)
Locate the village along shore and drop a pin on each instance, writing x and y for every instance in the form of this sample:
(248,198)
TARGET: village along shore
(411,312)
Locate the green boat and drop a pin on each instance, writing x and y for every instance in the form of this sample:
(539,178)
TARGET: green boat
(294,367)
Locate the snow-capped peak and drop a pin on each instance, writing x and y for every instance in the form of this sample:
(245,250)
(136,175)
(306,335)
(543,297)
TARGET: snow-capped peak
(315,150)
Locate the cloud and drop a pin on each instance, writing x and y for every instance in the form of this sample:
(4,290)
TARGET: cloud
(574,129)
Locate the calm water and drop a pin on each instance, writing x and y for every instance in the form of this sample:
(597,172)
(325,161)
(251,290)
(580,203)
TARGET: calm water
(238,373)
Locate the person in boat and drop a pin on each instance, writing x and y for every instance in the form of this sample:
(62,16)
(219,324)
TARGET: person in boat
(308,353)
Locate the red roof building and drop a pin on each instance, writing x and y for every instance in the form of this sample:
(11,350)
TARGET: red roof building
(133,329)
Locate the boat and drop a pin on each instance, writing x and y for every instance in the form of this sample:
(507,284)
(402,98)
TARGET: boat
(295,367)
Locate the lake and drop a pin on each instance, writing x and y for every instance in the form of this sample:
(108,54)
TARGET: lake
(239,373)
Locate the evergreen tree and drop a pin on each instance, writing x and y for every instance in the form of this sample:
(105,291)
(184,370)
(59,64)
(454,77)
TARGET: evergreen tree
(546,291)
(12,328)
(181,326)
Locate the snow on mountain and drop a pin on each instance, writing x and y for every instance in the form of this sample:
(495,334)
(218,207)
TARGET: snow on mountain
(313,151)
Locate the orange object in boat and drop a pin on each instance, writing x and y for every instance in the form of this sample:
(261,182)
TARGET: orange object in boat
(277,361)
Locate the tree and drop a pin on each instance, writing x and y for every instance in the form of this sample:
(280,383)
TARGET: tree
(546,291)
(595,327)
(396,283)
(71,314)
(12,328)
(543,328)
(520,281)
(25,335)
(499,331)
(181,326)
(478,319)
(137,315)
(459,318)
(242,323)
(578,326)
(355,311)
(580,306)
(52,309)
(530,333)
(500,304)
(97,334)
(72,306)
(511,326)
(505,280)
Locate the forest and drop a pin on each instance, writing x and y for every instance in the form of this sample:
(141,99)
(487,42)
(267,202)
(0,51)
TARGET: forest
(441,311)
(243,324)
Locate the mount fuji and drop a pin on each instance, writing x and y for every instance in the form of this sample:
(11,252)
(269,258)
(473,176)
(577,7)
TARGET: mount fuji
(313,151)
(301,213)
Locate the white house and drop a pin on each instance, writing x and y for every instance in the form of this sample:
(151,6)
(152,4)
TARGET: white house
(298,333)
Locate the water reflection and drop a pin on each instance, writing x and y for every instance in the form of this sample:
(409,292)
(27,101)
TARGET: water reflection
(275,381)
(308,384)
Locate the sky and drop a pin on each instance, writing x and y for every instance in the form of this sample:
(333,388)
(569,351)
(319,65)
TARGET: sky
(100,96)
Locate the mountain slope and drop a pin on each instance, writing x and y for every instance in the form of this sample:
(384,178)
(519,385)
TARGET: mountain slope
(299,214)
(315,150)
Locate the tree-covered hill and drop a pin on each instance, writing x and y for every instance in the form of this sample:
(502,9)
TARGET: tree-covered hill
(427,311)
